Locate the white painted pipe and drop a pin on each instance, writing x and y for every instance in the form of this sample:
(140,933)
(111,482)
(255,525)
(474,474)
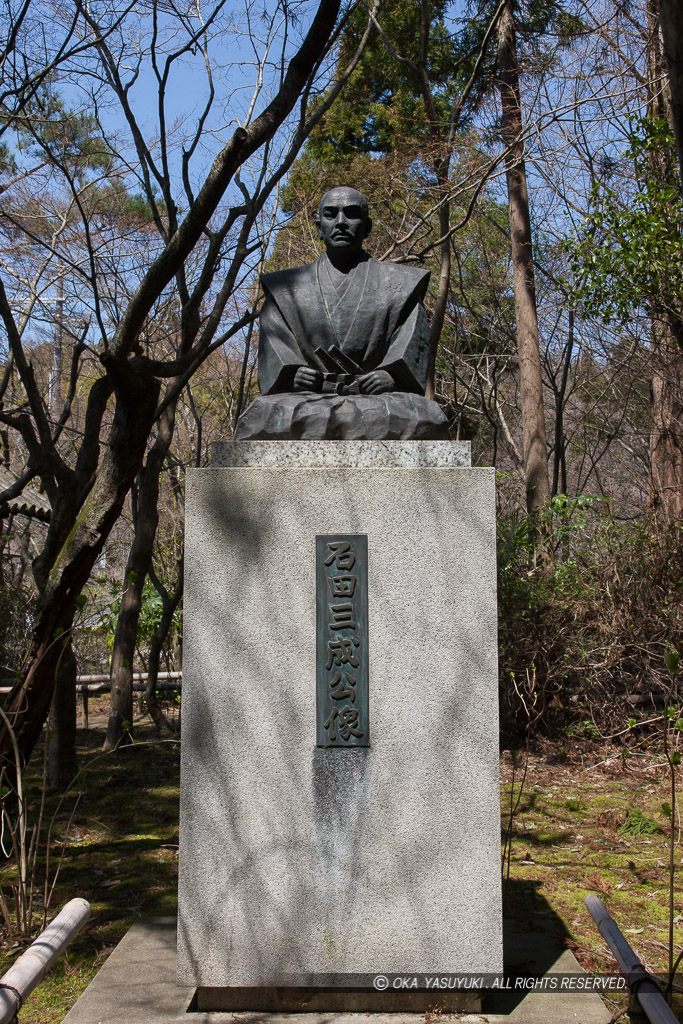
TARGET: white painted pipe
(639,980)
(137,677)
(103,677)
(30,968)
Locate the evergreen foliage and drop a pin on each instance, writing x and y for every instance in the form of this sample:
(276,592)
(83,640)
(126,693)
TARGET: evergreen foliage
(629,253)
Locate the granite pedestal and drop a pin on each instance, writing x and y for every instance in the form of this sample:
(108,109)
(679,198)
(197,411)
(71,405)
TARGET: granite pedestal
(302,866)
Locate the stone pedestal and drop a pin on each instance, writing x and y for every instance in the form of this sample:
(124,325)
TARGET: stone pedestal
(302,866)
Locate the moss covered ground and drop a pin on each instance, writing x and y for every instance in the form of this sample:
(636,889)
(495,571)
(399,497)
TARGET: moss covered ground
(590,819)
(121,853)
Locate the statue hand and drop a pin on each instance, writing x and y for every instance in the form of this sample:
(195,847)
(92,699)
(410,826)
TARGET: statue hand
(377,382)
(308,379)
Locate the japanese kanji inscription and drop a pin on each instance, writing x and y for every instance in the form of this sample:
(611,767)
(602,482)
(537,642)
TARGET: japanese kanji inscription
(342,641)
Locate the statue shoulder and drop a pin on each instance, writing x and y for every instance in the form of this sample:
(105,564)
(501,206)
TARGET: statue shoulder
(404,280)
(287,282)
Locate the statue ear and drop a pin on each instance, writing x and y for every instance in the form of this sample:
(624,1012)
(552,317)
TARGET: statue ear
(368,227)
(318,229)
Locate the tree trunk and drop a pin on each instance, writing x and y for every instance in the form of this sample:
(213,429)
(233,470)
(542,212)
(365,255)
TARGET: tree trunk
(531,385)
(62,763)
(28,704)
(666,353)
(120,723)
(443,288)
(560,444)
(671,20)
(170,603)
(666,436)
(57,355)
(242,388)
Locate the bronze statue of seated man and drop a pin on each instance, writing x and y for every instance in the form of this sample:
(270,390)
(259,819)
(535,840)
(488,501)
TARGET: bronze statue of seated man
(343,342)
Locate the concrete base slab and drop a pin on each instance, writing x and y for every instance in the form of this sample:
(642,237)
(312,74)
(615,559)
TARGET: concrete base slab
(137,985)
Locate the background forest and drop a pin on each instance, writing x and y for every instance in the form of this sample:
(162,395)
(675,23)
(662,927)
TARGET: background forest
(156,156)
(524,152)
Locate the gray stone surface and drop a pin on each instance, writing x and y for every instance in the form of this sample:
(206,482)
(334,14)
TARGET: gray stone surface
(398,415)
(137,985)
(296,861)
(352,454)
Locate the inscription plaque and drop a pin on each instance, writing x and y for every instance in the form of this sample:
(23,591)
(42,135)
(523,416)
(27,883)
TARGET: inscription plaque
(342,641)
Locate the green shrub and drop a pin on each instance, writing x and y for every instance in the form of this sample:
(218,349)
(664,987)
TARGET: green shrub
(583,640)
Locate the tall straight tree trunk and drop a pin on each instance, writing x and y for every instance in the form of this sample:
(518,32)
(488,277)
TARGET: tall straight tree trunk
(671,21)
(559,485)
(441,162)
(120,723)
(531,386)
(666,428)
(440,166)
(666,352)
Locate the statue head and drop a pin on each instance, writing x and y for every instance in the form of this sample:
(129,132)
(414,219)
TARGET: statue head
(343,222)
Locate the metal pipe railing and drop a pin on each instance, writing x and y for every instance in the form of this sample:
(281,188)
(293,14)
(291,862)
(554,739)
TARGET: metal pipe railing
(640,982)
(96,685)
(137,677)
(30,968)
(7,682)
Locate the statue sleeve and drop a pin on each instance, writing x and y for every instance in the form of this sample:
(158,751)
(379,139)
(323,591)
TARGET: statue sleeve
(408,353)
(279,356)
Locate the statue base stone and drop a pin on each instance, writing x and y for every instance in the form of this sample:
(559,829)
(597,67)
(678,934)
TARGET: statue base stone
(313,868)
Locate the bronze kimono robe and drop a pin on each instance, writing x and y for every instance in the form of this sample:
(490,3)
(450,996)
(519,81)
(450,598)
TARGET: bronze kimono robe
(379,322)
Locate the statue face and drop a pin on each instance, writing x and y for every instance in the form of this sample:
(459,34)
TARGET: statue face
(343,223)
